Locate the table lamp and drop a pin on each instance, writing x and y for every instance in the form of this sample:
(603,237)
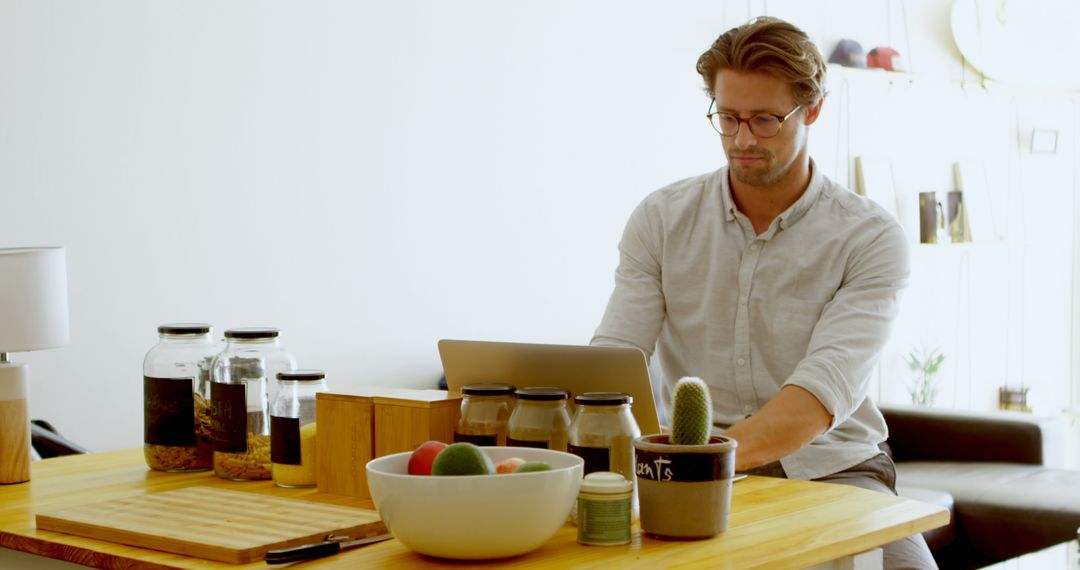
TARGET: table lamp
(33,316)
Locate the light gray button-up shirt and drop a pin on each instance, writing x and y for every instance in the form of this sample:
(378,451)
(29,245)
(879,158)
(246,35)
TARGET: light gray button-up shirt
(809,302)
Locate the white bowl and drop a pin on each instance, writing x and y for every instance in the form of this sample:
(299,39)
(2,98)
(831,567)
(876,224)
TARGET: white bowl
(476,517)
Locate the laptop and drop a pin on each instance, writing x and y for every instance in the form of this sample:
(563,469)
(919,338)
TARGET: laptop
(578,369)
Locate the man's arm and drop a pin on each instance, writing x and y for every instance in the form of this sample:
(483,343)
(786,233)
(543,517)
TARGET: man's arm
(790,420)
(831,381)
(636,309)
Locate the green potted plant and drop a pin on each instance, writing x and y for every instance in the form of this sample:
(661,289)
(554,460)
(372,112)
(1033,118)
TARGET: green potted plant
(684,478)
(925,364)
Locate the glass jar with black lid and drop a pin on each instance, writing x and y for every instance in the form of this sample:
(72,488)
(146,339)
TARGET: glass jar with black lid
(485,411)
(239,401)
(603,432)
(539,419)
(293,427)
(176,412)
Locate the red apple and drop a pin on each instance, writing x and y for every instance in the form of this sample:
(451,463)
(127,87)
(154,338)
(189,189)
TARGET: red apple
(421,459)
(509,465)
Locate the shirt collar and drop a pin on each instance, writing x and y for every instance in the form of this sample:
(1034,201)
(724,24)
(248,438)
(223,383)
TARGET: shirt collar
(789,216)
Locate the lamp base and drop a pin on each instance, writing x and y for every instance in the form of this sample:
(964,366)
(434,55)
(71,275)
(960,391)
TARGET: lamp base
(14,423)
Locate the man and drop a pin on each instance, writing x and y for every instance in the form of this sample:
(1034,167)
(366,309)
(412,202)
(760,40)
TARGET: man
(775,285)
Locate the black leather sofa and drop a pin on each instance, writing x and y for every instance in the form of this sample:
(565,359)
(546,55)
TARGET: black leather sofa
(48,442)
(999,473)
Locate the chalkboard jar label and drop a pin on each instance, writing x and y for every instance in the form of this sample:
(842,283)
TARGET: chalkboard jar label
(596,458)
(228,417)
(285,440)
(168,411)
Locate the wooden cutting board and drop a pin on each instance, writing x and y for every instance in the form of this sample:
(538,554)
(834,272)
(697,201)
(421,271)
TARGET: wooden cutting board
(216,524)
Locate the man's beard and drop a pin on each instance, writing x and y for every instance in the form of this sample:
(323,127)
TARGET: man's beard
(764,173)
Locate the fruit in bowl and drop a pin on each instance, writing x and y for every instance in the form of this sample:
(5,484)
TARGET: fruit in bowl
(462,459)
(422,457)
(476,517)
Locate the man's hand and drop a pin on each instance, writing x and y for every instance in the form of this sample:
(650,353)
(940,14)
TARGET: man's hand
(789,421)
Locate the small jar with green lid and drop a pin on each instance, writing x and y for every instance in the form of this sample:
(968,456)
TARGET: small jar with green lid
(485,411)
(604,509)
(539,419)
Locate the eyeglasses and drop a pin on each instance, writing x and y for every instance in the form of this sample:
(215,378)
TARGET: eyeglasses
(764,125)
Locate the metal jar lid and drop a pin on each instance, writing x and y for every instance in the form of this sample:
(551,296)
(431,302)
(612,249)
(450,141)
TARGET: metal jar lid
(603,399)
(542,393)
(252,332)
(487,390)
(184,328)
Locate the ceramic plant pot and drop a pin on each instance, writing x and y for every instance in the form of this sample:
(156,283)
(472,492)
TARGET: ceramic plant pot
(684,490)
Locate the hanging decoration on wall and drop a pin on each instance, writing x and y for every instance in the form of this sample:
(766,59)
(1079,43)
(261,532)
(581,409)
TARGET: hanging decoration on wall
(874,179)
(1019,42)
(848,53)
(885,58)
(956,223)
(982,223)
(1013,398)
(1044,141)
(931,219)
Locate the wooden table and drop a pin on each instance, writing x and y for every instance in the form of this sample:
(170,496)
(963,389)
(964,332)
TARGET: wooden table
(775,523)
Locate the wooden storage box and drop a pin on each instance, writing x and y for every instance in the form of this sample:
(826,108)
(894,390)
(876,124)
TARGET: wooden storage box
(404,420)
(357,427)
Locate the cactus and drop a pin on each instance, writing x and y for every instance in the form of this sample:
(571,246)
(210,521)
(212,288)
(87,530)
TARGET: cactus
(692,415)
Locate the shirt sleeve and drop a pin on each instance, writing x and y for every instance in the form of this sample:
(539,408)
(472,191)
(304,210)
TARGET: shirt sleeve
(636,309)
(855,325)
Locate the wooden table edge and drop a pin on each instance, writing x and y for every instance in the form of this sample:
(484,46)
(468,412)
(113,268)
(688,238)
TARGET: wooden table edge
(82,555)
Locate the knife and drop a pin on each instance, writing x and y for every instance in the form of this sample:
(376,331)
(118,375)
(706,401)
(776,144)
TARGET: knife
(332,545)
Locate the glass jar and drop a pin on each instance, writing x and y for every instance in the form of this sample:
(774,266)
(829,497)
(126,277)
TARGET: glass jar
(238,402)
(176,413)
(539,419)
(485,410)
(603,433)
(293,427)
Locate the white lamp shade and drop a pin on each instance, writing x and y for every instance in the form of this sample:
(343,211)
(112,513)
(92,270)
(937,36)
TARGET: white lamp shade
(33,298)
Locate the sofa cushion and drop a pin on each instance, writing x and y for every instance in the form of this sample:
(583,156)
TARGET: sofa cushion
(925,434)
(942,535)
(1002,509)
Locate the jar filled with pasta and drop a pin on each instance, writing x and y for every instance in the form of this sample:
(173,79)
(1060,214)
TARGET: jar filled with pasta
(176,412)
(239,403)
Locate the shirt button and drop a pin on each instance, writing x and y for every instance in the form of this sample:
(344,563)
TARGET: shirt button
(741,361)
(747,410)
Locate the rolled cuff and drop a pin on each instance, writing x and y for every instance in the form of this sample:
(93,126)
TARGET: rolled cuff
(826,383)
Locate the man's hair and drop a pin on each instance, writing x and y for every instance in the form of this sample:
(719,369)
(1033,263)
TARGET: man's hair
(772,46)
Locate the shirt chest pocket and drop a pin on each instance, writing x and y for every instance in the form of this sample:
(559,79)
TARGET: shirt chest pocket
(790,324)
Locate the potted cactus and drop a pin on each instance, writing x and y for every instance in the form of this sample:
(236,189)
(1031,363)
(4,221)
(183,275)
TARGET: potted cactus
(684,478)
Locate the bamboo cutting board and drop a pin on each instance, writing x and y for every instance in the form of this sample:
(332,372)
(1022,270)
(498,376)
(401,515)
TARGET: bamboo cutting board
(216,524)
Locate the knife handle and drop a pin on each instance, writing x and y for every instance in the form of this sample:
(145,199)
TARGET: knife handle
(305,552)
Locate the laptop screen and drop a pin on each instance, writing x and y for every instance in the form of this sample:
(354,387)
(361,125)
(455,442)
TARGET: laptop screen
(578,369)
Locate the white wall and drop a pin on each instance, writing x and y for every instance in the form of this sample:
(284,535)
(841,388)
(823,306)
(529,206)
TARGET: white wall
(374,176)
